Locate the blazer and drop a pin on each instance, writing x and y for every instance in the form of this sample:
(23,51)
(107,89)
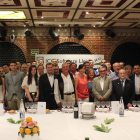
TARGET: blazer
(128,93)
(45,88)
(97,90)
(14,88)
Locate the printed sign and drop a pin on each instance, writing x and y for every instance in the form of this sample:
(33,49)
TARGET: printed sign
(34,52)
(78,59)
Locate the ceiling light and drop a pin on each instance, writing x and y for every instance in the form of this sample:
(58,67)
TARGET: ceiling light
(94,26)
(102,17)
(59,25)
(12,15)
(87,13)
(24,25)
(42,17)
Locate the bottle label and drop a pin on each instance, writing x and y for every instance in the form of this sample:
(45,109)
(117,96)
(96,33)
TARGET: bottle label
(22,115)
(121,112)
(75,108)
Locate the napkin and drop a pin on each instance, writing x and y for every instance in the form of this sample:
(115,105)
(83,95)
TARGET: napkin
(86,107)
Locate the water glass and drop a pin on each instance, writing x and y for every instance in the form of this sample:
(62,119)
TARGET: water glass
(134,103)
(98,103)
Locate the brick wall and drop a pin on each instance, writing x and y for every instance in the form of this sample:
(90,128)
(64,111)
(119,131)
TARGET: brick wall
(95,40)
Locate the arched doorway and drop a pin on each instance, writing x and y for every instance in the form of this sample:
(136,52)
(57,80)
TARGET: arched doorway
(128,53)
(9,51)
(69,48)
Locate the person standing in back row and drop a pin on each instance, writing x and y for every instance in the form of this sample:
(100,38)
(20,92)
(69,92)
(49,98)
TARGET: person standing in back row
(13,82)
(81,85)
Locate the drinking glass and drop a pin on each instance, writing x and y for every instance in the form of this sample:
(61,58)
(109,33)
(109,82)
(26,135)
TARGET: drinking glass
(134,103)
(63,106)
(27,105)
(31,106)
(103,104)
(98,103)
(138,103)
(108,105)
(35,106)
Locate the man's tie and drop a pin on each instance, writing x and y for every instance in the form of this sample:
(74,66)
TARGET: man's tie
(122,85)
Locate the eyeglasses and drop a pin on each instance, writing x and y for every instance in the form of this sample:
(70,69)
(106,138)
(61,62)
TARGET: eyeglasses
(103,71)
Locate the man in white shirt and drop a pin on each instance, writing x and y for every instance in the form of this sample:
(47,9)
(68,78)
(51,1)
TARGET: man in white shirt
(64,86)
(102,85)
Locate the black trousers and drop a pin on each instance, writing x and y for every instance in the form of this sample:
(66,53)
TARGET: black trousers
(51,104)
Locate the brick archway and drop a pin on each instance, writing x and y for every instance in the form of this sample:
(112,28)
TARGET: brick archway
(127,39)
(89,47)
(23,48)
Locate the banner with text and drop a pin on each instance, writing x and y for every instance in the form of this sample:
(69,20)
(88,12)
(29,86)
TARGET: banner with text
(78,59)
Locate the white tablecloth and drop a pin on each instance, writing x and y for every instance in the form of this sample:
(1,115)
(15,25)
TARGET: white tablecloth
(63,126)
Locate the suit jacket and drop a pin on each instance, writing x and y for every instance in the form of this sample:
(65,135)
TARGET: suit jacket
(97,90)
(14,88)
(45,88)
(128,93)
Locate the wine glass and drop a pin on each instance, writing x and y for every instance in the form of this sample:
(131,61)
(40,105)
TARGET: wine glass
(103,104)
(32,106)
(134,103)
(27,105)
(108,105)
(98,103)
(63,106)
(35,106)
(138,104)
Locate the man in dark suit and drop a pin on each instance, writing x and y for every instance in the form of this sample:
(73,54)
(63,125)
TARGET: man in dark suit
(136,81)
(123,87)
(46,88)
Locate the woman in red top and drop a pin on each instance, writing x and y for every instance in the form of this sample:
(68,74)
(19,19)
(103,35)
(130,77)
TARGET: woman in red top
(81,85)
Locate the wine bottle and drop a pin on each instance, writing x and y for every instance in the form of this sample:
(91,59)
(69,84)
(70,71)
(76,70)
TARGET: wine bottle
(75,109)
(22,111)
(121,108)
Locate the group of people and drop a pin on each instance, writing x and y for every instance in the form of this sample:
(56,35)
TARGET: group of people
(54,86)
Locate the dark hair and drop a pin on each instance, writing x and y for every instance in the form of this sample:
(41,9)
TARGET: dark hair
(12,61)
(73,63)
(39,66)
(30,75)
(80,66)
(48,64)
(103,66)
(68,61)
(28,62)
(0,80)
(85,62)
(6,65)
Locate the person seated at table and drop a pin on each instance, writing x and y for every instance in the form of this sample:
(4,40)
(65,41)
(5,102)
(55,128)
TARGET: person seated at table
(90,77)
(81,85)
(30,85)
(123,87)
(64,86)
(102,85)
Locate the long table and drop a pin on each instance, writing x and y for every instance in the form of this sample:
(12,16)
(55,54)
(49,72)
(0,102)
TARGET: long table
(63,126)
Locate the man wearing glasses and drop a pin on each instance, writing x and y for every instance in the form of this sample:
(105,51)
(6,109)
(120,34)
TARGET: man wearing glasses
(123,87)
(114,75)
(102,85)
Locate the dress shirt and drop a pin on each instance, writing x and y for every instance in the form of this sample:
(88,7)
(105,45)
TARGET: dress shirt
(123,82)
(68,86)
(51,79)
(102,79)
(13,77)
(114,75)
(137,84)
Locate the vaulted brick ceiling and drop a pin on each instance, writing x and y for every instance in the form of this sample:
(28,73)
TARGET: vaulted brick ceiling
(73,13)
